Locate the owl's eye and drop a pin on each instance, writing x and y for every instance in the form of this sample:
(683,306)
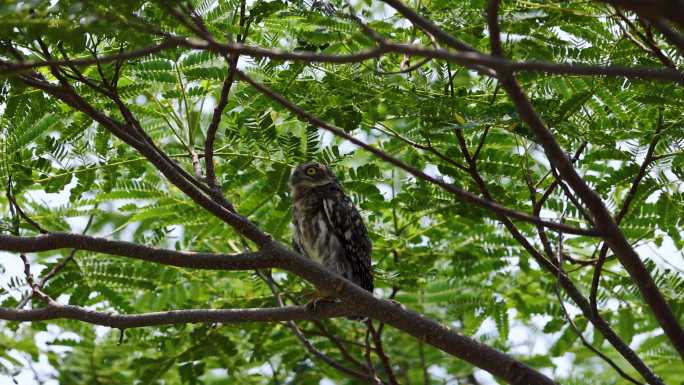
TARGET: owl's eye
(311,171)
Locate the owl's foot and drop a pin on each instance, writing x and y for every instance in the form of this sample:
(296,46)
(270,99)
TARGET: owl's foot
(397,303)
(319,298)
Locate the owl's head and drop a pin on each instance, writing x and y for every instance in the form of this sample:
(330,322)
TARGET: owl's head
(307,175)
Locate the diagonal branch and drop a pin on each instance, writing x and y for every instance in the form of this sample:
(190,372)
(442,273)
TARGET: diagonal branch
(380,350)
(274,255)
(223,102)
(428,26)
(674,37)
(551,266)
(603,219)
(162,163)
(463,195)
(562,278)
(654,9)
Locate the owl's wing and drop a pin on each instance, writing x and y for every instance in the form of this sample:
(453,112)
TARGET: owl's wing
(296,245)
(347,224)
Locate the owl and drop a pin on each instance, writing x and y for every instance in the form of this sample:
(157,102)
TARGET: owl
(327,227)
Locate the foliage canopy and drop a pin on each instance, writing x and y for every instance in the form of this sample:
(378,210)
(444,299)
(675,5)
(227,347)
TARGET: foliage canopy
(444,257)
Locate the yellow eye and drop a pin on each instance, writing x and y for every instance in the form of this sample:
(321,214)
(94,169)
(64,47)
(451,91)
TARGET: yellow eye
(311,171)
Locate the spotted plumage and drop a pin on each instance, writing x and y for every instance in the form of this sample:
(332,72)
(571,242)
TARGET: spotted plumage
(327,227)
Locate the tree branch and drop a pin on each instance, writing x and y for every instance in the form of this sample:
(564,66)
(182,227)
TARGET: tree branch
(654,9)
(22,214)
(56,241)
(551,266)
(274,255)
(612,234)
(58,267)
(428,26)
(493,26)
(469,59)
(122,321)
(463,195)
(384,359)
(7,68)
(164,164)
(674,37)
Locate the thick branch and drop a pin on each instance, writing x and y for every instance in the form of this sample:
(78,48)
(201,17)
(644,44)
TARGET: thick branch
(674,37)
(56,241)
(612,234)
(416,324)
(357,299)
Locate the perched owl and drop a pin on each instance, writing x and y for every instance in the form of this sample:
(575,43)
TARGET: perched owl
(327,227)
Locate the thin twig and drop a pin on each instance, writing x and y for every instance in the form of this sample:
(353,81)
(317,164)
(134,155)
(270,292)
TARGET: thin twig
(220,107)
(549,190)
(480,145)
(35,290)
(406,70)
(22,214)
(644,42)
(380,351)
(368,347)
(58,267)
(624,209)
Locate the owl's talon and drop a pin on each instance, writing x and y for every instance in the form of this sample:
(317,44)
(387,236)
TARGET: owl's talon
(397,303)
(314,303)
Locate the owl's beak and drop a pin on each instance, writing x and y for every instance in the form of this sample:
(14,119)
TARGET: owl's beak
(295,178)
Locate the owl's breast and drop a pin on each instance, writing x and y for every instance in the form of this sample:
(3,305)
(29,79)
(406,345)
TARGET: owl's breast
(315,237)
